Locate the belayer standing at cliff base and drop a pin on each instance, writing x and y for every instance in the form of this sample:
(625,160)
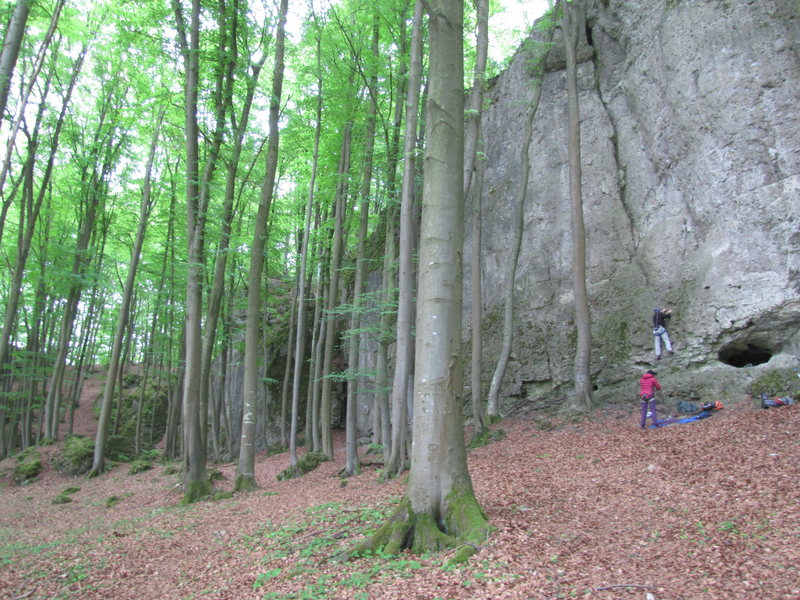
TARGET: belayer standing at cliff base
(648,384)
(660,316)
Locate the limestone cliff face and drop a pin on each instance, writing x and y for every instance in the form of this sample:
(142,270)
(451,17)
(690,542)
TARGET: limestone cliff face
(690,125)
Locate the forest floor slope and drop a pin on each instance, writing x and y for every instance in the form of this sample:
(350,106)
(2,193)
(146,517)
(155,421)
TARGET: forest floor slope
(596,510)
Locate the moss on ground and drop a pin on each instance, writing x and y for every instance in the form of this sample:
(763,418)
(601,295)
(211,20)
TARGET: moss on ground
(28,467)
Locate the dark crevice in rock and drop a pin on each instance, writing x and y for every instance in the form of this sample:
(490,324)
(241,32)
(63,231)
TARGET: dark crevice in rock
(624,193)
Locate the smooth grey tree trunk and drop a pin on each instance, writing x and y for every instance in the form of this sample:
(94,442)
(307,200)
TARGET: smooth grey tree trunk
(300,333)
(539,60)
(245,471)
(11,45)
(440,509)
(582,399)
(146,204)
(333,293)
(471,139)
(196,484)
(405,309)
(351,447)
(221,259)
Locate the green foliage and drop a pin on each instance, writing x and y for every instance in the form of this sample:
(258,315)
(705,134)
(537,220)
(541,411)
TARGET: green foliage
(112,501)
(139,466)
(489,436)
(171,469)
(77,456)
(374,449)
(196,491)
(65,495)
(316,537)
(28,467)
(120,448)
(149,454)
(306,463)
(222,495)
(776,382)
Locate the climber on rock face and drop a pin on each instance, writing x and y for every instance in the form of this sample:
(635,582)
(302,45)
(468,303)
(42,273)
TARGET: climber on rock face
(660,316)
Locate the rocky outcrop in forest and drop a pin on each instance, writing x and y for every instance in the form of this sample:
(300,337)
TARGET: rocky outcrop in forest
(691,188)
(690,142)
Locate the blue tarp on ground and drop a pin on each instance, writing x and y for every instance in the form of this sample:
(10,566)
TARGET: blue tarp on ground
(666,422)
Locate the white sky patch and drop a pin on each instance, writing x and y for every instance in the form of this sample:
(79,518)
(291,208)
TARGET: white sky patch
(510,23)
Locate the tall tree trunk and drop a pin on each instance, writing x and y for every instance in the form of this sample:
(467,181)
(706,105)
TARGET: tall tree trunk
(300,331)
(11,44)
(471,138)
(315,390)
(582,399)
(475,101)
(493,401)
(440,509)
(227,25)
(291,334)
(476,192)
(382,426)
(220,263)
(333,292)
(381,419)
(28,90)
(30,208)
(245,473)
(351,449)
(405,315)
(196,484)
(145,206)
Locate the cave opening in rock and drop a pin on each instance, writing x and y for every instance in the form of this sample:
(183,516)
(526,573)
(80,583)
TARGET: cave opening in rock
(744,355)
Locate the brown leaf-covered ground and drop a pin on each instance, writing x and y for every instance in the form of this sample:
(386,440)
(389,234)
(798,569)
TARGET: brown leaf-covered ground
(598,510)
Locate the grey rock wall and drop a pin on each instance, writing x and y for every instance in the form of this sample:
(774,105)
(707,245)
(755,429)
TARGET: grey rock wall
(690,128)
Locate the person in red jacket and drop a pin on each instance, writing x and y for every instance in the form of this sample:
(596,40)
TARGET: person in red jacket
(648,384)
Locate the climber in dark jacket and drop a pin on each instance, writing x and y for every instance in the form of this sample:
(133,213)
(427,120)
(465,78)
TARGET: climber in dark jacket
(648,384)
(660,316)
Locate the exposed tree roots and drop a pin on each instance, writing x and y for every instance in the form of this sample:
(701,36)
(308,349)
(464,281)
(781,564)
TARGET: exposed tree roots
(196,491)
(462,527)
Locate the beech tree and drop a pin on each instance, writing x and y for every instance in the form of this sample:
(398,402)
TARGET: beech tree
(538,59)
(245,472)
(439,510)
(11,44)
(146,206)
(196,484)
(405,349)
(582,399)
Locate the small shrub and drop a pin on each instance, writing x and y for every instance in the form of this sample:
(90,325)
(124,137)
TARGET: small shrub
(112,501)
(215,475)
(139,466)
(374,448)
(150,454)
(170,469)
(776,382)
(77,456)
(64,496)
(308,462)
(120,448)
(28,467)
